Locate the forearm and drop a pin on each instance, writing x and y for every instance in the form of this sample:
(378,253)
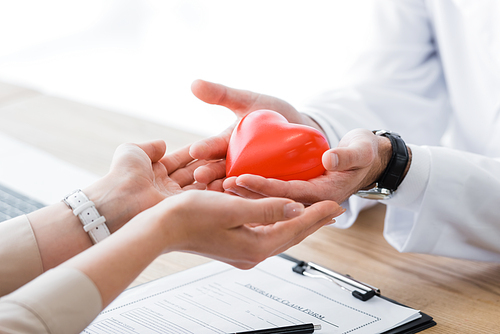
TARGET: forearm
(19,255)
(62,300)
(60,234)
(56,234)
(115,262)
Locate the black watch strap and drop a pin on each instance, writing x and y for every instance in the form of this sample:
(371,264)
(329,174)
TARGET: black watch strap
(393,174)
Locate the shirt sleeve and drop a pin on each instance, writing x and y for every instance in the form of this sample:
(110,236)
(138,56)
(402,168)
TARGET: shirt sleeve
(19,255)
(62,300)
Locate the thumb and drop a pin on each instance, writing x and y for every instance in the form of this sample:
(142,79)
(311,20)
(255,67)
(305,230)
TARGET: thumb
(214,147)
(127,154)
(355,156)
(154,149)
(239,101)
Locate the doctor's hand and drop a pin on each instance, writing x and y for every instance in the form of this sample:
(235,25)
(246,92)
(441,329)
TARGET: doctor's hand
(241,102)
(356,163)
(141,176)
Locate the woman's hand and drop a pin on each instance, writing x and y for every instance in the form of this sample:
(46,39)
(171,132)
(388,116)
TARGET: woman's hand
(234,230)
(231,229)
(140,177)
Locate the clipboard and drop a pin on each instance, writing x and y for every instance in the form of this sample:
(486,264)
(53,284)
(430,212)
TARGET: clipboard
(360,291)
(218,298)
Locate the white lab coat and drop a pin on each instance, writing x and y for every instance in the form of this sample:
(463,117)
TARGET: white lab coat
(432,74)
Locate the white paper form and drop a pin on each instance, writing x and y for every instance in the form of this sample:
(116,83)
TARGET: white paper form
(218,298)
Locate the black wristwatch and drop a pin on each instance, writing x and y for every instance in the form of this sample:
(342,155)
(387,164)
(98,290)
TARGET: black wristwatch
(393,175)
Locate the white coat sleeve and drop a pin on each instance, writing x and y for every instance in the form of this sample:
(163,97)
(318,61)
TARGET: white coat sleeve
(397,84)
(454,213)
(445,205)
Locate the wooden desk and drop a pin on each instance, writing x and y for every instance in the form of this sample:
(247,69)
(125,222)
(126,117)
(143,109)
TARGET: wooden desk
(462,296)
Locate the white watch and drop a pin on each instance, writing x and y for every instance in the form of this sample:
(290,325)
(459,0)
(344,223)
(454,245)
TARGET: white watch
(83,208)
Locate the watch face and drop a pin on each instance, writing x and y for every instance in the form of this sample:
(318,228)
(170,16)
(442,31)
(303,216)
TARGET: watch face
(375,193)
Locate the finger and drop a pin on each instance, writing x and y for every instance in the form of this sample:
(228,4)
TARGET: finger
(267,211)
(301,191)
(243,192)
(360,151)
(327,220)
(264,186)
(290,233)
(298,239)
(216,186)
(154,149)
(127,155)
(258,243)
(213,147)
(276,238)
(210,172)
(230,182)
(177,159)
(161,179)
(239,101)
(195,186)
(185,175)
(348,158)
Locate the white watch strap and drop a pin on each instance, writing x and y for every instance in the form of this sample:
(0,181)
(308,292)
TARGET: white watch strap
(83,208)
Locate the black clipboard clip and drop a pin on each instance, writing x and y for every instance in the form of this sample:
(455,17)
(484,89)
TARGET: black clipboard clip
(359,290)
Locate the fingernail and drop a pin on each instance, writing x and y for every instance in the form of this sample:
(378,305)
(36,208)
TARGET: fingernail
(331,222)
(341,211)
(334,158)
(293,210)
(231,191)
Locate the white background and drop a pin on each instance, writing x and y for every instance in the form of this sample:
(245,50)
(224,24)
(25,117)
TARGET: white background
(140,56)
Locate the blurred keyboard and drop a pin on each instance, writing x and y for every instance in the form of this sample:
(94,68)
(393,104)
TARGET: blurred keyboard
(13,204)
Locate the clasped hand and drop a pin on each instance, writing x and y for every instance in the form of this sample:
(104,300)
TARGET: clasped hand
(356,163)
(238,231)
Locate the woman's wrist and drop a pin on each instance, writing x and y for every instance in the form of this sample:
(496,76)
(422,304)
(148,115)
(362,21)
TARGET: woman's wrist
(169,222)
(115,201)
(163,221)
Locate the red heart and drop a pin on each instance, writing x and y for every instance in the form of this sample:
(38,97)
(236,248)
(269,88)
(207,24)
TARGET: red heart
(265,144)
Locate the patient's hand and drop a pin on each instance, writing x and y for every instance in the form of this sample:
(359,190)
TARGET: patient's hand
(140,177)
